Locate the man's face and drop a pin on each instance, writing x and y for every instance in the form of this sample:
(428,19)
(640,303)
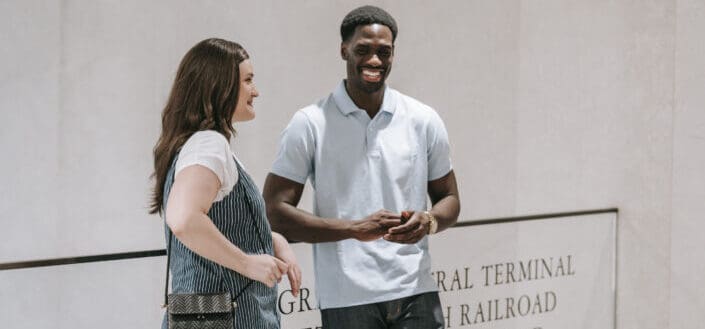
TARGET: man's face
(368,53)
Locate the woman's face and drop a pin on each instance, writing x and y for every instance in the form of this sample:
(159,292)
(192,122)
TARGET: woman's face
(244,111)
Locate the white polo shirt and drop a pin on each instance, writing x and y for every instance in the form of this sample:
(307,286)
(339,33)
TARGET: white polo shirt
(357,166)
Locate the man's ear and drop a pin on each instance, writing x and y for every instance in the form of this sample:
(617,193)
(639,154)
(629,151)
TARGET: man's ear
(344,51)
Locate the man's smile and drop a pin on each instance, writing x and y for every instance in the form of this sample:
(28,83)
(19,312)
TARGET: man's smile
(372,74)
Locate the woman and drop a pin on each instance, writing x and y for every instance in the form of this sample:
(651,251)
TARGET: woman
(223,240)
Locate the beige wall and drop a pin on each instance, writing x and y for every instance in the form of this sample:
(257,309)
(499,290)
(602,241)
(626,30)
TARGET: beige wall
(688,228)
(550,106)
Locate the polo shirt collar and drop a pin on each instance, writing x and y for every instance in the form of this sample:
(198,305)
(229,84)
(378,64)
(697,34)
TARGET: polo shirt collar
(347,106)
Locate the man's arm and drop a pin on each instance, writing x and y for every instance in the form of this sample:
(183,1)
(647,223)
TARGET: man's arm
(446,208)
(445,200)
(282,197)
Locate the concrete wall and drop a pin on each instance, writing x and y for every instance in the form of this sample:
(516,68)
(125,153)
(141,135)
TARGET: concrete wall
(550,106)
(687,284)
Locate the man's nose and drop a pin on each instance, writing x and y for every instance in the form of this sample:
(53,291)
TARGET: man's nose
(374,60)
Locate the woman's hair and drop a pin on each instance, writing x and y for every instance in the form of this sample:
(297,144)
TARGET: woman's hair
(203,97)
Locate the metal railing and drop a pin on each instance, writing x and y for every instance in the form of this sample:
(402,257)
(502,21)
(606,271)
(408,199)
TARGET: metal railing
(162,252)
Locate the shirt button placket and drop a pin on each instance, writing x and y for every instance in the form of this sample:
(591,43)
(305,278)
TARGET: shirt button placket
(373,151)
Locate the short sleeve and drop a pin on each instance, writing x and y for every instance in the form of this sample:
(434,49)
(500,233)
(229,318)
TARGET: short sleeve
(294,159)
(438,148)
(210,149)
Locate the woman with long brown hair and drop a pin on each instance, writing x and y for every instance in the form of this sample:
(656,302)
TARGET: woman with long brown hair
(223,240)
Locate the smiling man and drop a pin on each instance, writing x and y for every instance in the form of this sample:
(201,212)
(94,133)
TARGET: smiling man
(373,155)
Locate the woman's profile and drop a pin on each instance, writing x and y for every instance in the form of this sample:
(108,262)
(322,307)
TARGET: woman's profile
(221,238)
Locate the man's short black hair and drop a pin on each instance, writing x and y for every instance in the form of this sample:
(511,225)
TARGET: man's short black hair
(366,15)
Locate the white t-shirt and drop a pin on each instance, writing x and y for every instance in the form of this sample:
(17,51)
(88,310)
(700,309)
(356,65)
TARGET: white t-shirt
(210,149)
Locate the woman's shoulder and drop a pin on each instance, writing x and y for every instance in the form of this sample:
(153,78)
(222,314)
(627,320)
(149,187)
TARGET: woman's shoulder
(207,138)
(210,149)
(207,143)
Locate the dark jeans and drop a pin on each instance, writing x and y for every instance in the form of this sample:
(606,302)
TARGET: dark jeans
(416,312)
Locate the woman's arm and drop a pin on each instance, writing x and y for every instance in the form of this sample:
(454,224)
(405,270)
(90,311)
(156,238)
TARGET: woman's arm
(191,197)
(283,251)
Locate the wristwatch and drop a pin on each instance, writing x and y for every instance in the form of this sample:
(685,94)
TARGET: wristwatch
(432,222)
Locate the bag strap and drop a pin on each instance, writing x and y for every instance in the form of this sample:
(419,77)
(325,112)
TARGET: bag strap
(168,256)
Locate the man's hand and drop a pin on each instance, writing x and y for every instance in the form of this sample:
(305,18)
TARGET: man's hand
(413,229)
(375,225)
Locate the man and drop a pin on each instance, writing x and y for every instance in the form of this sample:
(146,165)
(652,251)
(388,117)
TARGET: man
(371,154)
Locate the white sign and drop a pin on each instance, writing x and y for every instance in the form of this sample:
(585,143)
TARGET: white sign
(537,274)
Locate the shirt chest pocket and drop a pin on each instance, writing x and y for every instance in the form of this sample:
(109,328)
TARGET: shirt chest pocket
(400,163)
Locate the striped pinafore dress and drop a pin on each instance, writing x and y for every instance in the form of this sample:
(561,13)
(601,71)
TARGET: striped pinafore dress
(235,216)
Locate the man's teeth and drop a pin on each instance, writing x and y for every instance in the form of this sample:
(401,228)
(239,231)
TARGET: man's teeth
(371,73)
